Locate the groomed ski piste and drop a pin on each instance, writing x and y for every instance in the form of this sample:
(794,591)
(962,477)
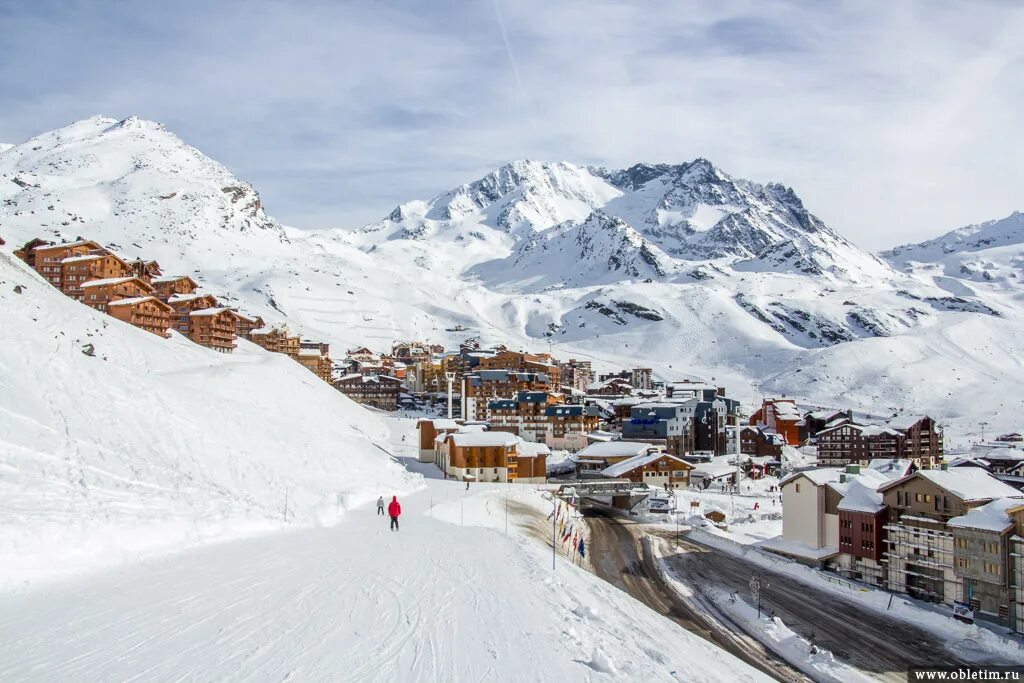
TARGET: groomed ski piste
(170,513)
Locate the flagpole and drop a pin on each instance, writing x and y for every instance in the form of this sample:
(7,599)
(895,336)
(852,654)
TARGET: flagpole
(554,522)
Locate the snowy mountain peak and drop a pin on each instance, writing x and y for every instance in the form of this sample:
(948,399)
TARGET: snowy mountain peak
(128,182)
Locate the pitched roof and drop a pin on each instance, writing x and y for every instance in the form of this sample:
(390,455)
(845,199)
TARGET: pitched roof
(861,496)
(988,517)
(500,439)
(966,483)
(819,476)
(604,449)
(528,449)
(212,311)
(134,300)
(84,257)
(618,469)
(79,243)
(112,281)
(906,421)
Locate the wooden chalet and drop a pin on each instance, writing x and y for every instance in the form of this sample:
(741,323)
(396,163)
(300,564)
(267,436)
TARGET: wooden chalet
(145,312)
(168,285)
(80,268)
(99,293)
(213,328)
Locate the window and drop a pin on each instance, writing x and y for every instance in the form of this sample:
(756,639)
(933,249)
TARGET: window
(798,488)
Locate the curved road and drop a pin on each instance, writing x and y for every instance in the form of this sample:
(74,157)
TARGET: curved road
(869,641)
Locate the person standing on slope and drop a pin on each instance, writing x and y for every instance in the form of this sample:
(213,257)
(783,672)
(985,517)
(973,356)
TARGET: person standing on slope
(394,510)
(380,506)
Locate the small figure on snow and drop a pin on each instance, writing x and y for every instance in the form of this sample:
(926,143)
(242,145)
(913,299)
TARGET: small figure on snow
(467,484)
(394,510)
(380,506)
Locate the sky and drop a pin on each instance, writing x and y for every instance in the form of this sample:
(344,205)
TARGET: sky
(894,121)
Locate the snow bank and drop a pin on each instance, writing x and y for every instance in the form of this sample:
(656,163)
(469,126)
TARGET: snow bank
(152,444)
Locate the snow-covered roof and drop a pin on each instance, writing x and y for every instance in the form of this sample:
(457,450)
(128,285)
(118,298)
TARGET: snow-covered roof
(178,298)
(500,439)
(528,449)
(217,310)
(906,421)
(988,517)
(132,301)
(818,477)
(714,470)
(861,496)
(170,278)
(618,469)
(107,281)
(892,469)
(865,430)
(83,257)
(601,435)
(605,449)
(444,423)
(966,483)
(80,243)
(310,352)
(261,330)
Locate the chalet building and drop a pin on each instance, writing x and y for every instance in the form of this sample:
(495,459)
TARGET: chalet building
(167,286)
(531,462)
(654,469)
(271,339)
(921,550)
(482,386)
(523,415)
(213,328)
(27,251)
(145,312)
(428,430)
(490,456)
(46,258)
(145,270)
(316,358)
(379,391)
(522,362)
(615,386)
(600,454)
(779,415)
(99,293)
(810,517)
(78,269)
(622,409)
(916,438)
(184,305)
(245,324)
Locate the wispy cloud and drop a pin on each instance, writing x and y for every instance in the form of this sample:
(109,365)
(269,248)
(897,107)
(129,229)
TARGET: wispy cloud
(894,121)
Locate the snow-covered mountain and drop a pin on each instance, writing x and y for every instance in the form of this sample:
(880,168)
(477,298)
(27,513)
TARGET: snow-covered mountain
(680,267)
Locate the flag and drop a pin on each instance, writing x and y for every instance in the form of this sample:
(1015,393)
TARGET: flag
(574,537)
(558,512)
(561,528)
(568,533)
(581,549)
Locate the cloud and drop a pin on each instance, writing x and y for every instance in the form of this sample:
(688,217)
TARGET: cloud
(894,121)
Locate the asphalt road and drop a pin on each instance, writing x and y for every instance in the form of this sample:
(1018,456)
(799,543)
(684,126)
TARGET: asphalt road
(869,641)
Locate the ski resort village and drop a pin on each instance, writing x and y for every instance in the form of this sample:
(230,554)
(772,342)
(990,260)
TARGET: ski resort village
(722,384)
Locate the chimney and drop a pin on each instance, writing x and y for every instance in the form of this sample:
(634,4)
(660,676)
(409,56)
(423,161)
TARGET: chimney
(852,469)
(944,466)
(842,478)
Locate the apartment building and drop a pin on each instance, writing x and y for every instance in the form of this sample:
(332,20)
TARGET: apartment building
(781,416)
(167,286)
(916,438)
(379,391)
(921,550)
(482,386)
(78,269)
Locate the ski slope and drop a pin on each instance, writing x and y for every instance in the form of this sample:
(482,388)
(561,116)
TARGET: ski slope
(434,601)
(115,443)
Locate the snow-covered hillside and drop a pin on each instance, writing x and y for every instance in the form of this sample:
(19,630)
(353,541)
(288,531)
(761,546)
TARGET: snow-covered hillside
(115,442)
(682,268)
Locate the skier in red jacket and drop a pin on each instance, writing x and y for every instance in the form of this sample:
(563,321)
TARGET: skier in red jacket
(394,510)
